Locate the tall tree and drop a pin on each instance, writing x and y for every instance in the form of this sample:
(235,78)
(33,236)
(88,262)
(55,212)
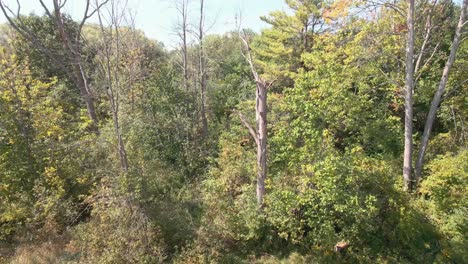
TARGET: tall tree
(182,31)
(72,63)
(202,68)
(408,92)
(440,91)
(261,110)
(111,64)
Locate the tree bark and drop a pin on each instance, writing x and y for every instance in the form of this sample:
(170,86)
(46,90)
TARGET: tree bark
(261,118)
(202,71)
(260,134)
(440,91)
(184,13)
(409,86)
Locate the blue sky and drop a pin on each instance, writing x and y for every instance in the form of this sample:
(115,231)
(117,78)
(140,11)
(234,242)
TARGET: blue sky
(157,17)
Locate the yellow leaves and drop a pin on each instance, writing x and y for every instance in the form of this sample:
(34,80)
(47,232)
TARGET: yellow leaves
(53,179)
(338,9)
(357,150)
(5,94)
(83,180)
(27,98)
(50,172)
(4,187)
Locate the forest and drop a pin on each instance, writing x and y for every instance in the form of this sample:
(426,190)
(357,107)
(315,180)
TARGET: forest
(334,135)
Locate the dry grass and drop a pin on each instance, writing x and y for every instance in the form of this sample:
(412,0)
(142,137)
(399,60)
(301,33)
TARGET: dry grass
(53,251)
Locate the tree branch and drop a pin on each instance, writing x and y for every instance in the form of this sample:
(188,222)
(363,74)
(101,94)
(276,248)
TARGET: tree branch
(249,127)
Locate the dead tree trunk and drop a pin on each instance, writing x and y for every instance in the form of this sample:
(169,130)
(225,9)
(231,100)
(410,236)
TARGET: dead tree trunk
(182,9)
(408,92)
(112,52)
(440,91)
(260,133)
(77,67)
(202,71)
(181,29)
(261,117)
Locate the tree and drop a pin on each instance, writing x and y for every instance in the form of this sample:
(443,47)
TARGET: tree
(72,63)
(112,56)
(202,69)
(44,164)
(261,110)
(440,91)
(182,31)
(408,93)
(279,48)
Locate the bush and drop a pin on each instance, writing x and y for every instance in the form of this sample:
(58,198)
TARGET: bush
(445,201)
(119,232)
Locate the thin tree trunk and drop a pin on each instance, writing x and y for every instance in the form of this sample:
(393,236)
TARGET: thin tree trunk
(409,85)
(184,45)
(112,77)
(202,72)
(120,143)
(261,118)
(86,95)
(78,71)
(440,91)
(182,31)
(260,134)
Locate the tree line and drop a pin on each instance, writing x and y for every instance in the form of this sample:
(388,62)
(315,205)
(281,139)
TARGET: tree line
(334,135)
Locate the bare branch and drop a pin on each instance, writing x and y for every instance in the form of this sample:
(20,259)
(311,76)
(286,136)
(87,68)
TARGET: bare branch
(427,62)
(387,4)
(423,45)
(47,11)
(271,83)
(86,16)
(248,55)
(249,127)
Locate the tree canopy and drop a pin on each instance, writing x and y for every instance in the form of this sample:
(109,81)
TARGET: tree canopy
(334,135)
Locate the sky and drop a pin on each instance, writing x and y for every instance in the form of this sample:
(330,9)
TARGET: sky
(157,18)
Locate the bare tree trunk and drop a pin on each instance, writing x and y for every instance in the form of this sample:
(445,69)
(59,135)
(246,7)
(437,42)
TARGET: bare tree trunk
(202,71)
(261,118)
(120,143)
(440,91)
(78,71)
(184,27)
(181,30)
(409,86)
(260,133)
(87,97)
(112,73)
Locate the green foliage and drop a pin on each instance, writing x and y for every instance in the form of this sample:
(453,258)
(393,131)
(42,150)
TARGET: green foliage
(119,232)
(445,199)
(230,80)
(45,169)
(279,48)
(335,126)
(41,63)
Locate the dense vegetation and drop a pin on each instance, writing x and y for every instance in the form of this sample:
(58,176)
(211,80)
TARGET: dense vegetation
(114,149)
